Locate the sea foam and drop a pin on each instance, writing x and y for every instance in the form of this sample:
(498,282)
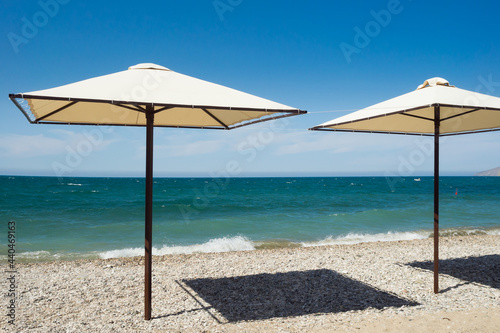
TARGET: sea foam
(354,238)
(225,244)
(241,243)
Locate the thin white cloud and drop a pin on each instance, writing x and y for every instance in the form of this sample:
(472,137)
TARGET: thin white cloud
(186,143)
(15,145)
(335,143)
(301,143)
(52,143)
(192,148)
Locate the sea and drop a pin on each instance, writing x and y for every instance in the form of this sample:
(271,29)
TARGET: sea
(86,218)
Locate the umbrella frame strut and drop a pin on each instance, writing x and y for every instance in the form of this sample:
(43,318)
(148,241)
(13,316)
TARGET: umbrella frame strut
(137,106)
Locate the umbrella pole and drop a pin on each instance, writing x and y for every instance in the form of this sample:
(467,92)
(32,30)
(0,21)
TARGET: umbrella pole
(149,210)
(437,124)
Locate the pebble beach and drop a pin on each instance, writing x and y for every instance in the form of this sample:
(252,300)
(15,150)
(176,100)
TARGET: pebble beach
(366,287)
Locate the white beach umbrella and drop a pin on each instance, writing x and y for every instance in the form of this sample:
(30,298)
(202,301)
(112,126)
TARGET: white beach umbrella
(435,109)
(152,96)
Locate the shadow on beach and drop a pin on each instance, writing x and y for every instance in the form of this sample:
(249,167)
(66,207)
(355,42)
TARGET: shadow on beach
(265,296)
(483,269)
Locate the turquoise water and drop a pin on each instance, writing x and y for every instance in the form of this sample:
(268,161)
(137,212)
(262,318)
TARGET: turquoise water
(73,218)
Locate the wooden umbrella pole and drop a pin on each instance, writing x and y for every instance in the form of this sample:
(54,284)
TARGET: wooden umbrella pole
(149,211)
(437,124)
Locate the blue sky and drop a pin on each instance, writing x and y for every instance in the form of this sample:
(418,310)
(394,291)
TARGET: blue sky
(308,55)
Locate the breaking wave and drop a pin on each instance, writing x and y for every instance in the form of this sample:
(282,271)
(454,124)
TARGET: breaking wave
(224,244)
(241,243)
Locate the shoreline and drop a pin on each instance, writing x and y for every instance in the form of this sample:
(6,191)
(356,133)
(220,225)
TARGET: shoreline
(242,243)
(322,288)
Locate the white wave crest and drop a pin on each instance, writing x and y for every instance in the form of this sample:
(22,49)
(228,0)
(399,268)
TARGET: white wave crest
(224,244)
(38,255)
(45,256)
(495,232)
(352,238)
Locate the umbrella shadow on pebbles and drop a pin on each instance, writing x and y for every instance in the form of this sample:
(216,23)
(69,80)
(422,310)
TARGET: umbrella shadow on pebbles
(265,296)
(483,269)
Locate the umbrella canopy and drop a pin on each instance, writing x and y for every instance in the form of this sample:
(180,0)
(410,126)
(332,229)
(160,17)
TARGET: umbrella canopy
(436,109)
(461,112)
(148,95)
(177,100)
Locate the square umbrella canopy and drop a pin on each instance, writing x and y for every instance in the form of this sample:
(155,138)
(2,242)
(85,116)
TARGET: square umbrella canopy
(435,109)
(148,95)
